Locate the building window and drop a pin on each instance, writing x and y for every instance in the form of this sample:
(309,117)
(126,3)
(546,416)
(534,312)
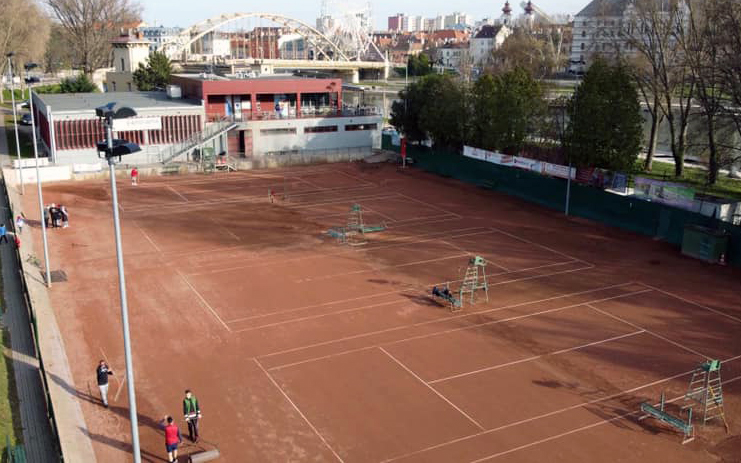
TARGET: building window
(279,131)
(354,127)
(320,129)
(114,86)
(129,84)
(582,46)
(123,68)
(583,33)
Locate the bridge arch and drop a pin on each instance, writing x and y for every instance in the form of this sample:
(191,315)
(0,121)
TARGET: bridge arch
(316,39)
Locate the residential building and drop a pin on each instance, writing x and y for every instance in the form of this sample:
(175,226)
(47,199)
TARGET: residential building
(598,30)
(159,35)
(486,40)
(452,55)
(128,50)
(395,22)
(457,20)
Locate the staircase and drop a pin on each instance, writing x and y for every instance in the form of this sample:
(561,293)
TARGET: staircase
(211,131)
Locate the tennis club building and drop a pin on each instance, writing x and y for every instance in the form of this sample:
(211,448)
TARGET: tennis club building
(253,118)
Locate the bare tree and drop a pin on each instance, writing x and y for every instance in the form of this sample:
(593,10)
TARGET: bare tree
(24,29)
(651,36)
(91,24)
(729,60)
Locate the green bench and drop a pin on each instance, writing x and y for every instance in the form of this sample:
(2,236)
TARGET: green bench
(658,413)
(15,453)
(170,169)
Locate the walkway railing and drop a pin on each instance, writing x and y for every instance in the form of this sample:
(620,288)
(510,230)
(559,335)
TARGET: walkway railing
(211,130)
(305,113)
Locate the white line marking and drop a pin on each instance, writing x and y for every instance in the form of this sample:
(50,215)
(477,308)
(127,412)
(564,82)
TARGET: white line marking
(120,388)
(373,211)
(476,423)
(692,302)
(229,232)
(524,240)
(620,319)
(546,415)
(178,194)
(535,357)
(416,288)
(473,253)
(583,428)
(298,410)
(439,320)
(203,301)
(151,241)
(431,206)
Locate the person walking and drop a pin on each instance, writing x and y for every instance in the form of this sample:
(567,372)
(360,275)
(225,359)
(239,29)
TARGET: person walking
(134,176)
(46,216)
(192,412)
(172,438)
(3,233)
(102,374)
(19,222)
(65,216)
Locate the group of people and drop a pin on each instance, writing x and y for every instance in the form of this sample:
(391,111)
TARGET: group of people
(57,214)
(191,413)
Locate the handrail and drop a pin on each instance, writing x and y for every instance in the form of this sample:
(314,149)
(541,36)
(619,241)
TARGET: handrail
(212,129)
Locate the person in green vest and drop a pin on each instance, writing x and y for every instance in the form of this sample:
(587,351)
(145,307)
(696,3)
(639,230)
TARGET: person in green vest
(192,412)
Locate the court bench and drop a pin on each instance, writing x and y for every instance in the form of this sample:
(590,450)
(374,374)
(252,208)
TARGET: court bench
(660,414)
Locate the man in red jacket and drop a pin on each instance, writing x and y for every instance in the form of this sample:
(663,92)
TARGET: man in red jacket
(172,438)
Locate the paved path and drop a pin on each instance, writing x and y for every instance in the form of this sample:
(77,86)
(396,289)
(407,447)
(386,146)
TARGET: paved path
(37,436)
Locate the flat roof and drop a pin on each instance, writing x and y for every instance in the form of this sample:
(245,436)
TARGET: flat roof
(61,102)
(233,77)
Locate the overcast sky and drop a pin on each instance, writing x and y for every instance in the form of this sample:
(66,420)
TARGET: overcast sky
(185,13)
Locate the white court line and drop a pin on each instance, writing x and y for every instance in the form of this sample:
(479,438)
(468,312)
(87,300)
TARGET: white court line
(470,253)
(692,302)
(203,301)
(582,428)
(151,241)
(524,240)
(535,357)
(620,319)
(358,179)
(416,287)
(546,415)
(311,184)
(431,206)
(476,423)
(298,410)
(313,317)
(373,211)
(175,191)
(264,263)
(229,232)
(383,267)
(439,320)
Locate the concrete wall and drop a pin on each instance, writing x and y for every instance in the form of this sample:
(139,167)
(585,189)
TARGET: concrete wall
(265,142)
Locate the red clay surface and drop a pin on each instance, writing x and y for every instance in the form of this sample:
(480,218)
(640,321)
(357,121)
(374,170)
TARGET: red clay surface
(302,349)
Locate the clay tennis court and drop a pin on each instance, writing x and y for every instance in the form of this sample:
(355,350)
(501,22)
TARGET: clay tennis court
(303,349)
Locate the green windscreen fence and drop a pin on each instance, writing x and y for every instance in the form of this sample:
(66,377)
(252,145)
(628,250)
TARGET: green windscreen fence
(651,219)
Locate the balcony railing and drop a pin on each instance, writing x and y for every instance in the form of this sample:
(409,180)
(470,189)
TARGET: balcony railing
(305,113)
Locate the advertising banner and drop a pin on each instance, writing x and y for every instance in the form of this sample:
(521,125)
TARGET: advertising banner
(557,170)
(672,194)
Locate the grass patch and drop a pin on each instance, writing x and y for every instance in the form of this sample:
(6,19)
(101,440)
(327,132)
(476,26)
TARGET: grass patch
(24,138)
(10,416)
(724,187)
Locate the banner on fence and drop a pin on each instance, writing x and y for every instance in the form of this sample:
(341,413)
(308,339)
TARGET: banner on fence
(557,170)
(672,194)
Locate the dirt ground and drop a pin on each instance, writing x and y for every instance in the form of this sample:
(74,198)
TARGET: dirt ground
(300,348)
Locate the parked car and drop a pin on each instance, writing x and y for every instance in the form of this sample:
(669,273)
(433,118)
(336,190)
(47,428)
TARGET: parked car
(33,79)
(26,119)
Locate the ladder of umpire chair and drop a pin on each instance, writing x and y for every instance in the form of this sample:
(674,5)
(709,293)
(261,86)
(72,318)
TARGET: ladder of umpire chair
(475,278)
(706,389)
(355,219)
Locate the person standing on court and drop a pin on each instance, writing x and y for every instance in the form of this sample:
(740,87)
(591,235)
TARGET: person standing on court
(19,222)
(3,233)
(192,412)
(134,176)
(102,374)
(172,438)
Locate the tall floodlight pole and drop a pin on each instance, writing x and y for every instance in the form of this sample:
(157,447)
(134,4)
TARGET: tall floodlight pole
(113,149)
(15,118)
(38,187)
(568,175)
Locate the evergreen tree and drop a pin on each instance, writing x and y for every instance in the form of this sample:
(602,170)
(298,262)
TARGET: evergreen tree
(80,84)
(155,75)
(605,125)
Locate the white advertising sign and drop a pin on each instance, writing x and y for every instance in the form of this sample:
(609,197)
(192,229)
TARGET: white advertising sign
(557,170)
(137,123)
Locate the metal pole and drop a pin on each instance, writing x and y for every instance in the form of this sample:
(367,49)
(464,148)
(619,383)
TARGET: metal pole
(15,121)
(568,188)
(41,197)
(124,306)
